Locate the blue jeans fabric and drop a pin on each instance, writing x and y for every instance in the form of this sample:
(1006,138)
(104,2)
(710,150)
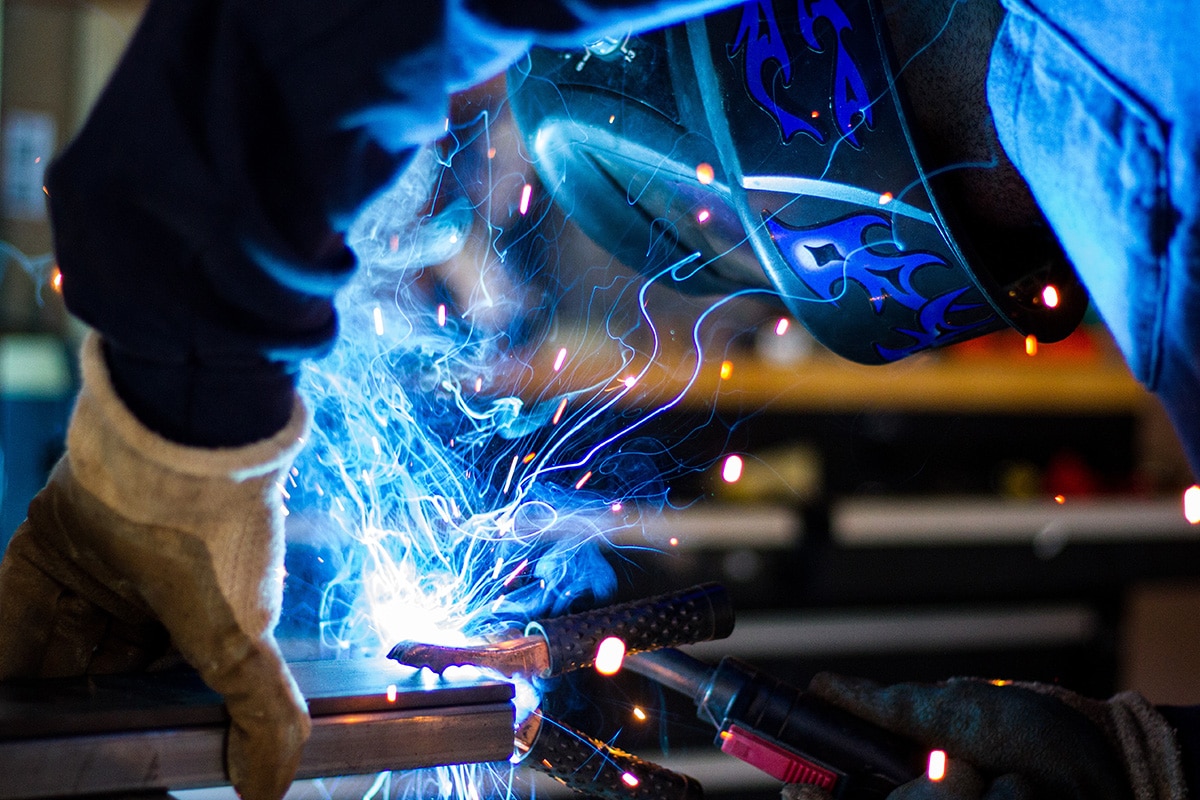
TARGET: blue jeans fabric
(199,215)
(1097,102)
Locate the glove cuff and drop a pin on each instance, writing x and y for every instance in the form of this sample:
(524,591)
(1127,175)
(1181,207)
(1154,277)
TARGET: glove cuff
(100,414)
(1149,748)
(229,499)
(1141,735)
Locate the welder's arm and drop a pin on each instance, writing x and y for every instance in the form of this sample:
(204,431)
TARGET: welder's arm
(1008,741)
(200,214)
(138,547)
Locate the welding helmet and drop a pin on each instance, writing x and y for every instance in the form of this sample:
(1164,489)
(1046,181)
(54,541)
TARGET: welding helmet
(765,148)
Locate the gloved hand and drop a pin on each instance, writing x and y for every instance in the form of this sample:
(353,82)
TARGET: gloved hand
(135,539)
(1007,741)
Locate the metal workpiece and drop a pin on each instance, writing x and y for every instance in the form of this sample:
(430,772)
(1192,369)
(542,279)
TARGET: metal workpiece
(125,733)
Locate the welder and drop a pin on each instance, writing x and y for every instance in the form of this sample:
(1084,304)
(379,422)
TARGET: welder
(199,225)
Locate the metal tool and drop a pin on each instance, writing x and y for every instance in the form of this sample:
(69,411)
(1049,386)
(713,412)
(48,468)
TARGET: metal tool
(786,732)
(553,646)
(166,731)
(595,768)
(560,644)
(790,734)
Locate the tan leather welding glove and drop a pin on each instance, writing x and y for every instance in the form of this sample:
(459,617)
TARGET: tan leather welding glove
(135,539)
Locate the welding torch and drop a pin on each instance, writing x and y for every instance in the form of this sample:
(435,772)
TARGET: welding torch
(786,732)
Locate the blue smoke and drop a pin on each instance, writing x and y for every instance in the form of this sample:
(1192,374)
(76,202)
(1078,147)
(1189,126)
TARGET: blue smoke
(419,467)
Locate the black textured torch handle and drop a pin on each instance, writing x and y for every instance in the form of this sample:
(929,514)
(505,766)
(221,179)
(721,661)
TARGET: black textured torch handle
(698,614)
(591,767)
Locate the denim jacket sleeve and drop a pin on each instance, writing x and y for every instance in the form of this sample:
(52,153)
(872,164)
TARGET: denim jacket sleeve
(1095,102)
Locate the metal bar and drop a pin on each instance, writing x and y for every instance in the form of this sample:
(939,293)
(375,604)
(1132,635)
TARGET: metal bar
(76,740)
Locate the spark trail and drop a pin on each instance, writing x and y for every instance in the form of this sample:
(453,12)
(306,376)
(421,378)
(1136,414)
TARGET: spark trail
(455,507)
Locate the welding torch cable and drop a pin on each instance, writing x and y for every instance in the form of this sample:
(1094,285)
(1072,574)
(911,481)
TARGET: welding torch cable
(592,767)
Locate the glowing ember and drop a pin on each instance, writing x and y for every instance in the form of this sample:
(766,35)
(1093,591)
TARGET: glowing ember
(1058,498)
(391,693)
(781,326)
(1050,296)
(378,321)
(886,198)
(587,476)
(1191,504)
(610,655)
(629,381)
(639,715)
(937,765)
(705,173)
(560,359)
(441,315)
(731,471)
(726,370)
(673,541)
(526,194)
(630,780)
(703,216)
(1031,345)
(562,406)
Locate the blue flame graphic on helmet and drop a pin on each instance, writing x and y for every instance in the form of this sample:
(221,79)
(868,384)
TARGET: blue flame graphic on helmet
(766,48)
(824,257)
(933,319)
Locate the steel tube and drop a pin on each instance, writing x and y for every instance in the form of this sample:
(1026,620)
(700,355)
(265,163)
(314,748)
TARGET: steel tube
(165,732)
